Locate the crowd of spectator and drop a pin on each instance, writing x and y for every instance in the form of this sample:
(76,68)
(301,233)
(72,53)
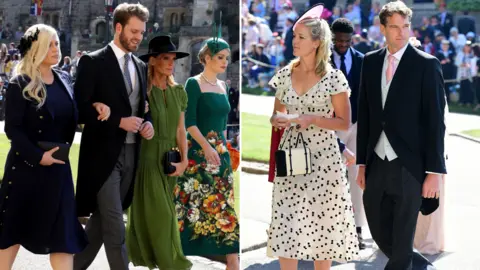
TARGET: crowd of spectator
(268,34)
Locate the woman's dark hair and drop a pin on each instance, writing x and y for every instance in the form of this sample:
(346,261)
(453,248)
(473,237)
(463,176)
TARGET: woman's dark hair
(476,49)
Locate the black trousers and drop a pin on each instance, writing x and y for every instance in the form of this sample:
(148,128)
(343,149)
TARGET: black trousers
(392,200)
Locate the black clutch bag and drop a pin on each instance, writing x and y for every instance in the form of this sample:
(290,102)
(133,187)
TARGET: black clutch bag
(60,154)
(171,156)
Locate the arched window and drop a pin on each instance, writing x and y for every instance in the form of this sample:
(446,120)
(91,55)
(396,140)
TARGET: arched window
(182,19)
(173,22)
(196,66)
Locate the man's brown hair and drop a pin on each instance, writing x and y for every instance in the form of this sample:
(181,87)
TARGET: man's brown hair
(394,7)
(125,11)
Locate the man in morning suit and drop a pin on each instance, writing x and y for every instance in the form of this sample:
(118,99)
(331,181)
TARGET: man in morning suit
(109,150)
(400,141)
(349,61)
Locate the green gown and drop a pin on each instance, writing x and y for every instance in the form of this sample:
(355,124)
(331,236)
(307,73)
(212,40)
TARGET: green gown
(204,198)
(152,237)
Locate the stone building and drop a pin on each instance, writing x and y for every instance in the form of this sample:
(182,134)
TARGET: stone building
(82,25)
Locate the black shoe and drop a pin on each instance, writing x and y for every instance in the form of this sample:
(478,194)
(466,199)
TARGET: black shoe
(361,244)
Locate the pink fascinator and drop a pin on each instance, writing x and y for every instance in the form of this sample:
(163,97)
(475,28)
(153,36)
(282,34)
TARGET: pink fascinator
(313,12)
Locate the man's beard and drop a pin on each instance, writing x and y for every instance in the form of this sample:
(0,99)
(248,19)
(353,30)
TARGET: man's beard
(124,42)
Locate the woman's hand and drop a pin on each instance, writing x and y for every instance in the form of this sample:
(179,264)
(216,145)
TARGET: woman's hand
(179,168)
(303,121)
(350,157)
(211,155)
(279,122)
(103,111)
(47,158)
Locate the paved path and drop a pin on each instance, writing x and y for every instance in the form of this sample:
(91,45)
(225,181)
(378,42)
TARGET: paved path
(28,261)
(462,217)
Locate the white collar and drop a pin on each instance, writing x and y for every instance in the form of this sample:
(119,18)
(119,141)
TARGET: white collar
(339,56)
(398,55)
(119,53)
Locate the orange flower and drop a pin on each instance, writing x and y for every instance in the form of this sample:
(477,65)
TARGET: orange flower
(180,225)
(176,191)
(213,203)
(226,222)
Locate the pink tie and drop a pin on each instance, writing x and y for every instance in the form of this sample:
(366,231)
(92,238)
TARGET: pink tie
(390,68)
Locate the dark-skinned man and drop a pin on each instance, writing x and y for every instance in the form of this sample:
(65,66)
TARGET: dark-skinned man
(349,61)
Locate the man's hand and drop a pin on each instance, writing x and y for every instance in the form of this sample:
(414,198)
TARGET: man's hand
(431,186)
(131,124)
(147,131)
(361,177)
(349,156)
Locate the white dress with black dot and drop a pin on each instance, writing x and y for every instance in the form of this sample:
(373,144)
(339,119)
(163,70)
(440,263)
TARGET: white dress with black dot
(312,215)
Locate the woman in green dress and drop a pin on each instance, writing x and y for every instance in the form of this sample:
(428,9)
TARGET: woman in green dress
(204,198)
(152,238)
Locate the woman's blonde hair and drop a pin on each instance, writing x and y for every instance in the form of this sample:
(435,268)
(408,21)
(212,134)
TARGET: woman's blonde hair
(29,65)
(319,30)
(204,51)
(151,74)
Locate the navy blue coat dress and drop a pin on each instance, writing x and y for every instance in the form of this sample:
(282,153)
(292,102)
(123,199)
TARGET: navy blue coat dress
(37,204)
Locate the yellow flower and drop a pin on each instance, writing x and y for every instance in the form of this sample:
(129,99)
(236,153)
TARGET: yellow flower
(212,228)
(196,184)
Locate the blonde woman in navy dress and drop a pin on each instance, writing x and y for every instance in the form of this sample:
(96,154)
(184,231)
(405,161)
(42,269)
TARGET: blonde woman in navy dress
(37,205)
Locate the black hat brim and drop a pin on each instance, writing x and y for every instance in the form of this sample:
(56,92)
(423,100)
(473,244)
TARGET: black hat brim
(147,56)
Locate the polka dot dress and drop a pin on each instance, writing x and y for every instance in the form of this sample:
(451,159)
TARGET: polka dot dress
(312,215)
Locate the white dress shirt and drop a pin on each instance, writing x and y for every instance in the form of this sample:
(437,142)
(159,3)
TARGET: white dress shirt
(120,54)
(348,60)
(383,148)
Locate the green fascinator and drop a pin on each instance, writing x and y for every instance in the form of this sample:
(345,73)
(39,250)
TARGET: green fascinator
(216,43)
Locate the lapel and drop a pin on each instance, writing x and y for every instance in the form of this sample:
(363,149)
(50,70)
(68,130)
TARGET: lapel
(377,81)
(116,74)
(401,74)
(332,59)
(142,85)
(67,87)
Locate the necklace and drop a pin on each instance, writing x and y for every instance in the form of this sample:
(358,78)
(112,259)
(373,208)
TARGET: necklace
(205,78)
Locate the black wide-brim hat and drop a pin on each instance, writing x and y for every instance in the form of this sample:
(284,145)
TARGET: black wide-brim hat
(162,44)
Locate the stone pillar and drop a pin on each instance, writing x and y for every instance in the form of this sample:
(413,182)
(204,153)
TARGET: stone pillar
(74,47)
(182,66)
(200,16)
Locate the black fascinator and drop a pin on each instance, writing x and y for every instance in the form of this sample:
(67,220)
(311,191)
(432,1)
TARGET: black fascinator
(26,42)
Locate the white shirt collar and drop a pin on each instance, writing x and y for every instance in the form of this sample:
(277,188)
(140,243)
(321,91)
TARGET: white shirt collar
(119,53)
(347,54)
(398,55)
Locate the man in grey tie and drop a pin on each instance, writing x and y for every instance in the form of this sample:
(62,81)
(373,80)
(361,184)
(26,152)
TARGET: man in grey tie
(109,149)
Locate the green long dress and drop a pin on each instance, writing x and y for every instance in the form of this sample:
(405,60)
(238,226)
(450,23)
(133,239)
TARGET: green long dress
(204,199)
(152,237)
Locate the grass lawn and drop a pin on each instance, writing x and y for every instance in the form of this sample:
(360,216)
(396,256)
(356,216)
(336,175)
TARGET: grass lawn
(257,91)
(465,110)
(256,132)
(5,147)
(473,132)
